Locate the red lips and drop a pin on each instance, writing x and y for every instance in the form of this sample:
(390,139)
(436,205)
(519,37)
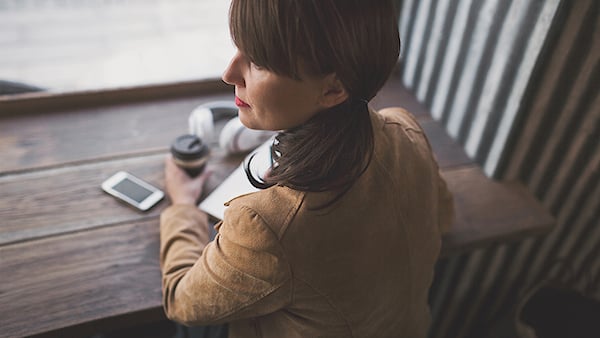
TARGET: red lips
(240,103)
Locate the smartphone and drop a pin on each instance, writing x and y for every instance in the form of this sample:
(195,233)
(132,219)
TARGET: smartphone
(132,190)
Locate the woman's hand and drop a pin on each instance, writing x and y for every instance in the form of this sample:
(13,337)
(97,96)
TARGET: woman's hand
(181,188)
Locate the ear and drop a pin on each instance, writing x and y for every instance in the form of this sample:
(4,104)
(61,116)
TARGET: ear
(333,92)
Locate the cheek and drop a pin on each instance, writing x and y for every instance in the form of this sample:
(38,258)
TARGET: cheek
(278,104)
(271,107)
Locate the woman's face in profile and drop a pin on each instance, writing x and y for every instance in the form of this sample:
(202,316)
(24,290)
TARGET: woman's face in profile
(269,101)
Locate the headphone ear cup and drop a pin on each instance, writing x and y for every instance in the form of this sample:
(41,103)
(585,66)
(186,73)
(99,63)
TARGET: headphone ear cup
(236,138)
(203,118)
(201,124)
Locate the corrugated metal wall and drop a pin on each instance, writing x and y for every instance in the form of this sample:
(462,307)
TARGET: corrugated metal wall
(517,83)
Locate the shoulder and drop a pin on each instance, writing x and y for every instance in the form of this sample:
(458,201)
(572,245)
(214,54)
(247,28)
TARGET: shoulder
(274,208)
(398,124)
(398,116)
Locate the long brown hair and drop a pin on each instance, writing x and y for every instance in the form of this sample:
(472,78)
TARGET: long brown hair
(355,39)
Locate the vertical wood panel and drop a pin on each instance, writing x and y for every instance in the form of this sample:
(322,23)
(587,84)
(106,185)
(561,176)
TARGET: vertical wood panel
(443,88)
(435,43)
(523,155)
(468,89)
(532,48)
(516,82)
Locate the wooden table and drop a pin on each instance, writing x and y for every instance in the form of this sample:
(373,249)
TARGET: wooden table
(73,260)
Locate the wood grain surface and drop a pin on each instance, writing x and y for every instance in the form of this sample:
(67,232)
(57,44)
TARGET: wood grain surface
(44,139)
(66,280)
(488,212)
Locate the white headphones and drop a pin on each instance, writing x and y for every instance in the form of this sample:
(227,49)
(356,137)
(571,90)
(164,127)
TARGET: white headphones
(235,137)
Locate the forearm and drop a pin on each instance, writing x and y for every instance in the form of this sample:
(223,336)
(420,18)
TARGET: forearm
(183,235)
(241,274)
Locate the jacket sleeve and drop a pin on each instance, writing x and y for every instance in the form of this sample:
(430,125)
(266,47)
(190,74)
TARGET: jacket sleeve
(241,274)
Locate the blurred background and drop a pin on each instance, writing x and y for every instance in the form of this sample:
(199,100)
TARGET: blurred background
(73,45)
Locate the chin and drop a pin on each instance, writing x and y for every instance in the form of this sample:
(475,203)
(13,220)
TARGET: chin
(248,122)
(251,121)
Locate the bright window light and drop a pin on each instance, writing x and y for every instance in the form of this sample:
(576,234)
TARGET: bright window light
(74,45)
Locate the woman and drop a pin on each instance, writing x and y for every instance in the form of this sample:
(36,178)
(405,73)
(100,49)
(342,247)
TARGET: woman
(342,240)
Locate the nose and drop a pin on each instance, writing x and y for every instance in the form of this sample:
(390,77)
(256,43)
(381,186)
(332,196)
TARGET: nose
(234,74)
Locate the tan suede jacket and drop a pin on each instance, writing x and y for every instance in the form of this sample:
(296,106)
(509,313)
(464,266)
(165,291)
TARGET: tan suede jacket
(278,268)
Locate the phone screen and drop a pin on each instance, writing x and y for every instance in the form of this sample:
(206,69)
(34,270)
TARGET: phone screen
(133,190)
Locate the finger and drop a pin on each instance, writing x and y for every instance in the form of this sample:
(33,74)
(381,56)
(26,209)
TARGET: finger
(169,163)
(168,158)
(205,176)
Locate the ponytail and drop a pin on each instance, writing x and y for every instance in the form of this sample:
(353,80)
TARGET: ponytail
(327,153)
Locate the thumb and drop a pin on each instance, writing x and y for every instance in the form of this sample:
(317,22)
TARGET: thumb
(205,175)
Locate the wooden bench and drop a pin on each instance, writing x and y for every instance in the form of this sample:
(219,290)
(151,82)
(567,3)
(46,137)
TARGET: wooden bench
(74,261)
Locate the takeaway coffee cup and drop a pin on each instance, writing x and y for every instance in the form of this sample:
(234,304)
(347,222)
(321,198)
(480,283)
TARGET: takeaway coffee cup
(190,154)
